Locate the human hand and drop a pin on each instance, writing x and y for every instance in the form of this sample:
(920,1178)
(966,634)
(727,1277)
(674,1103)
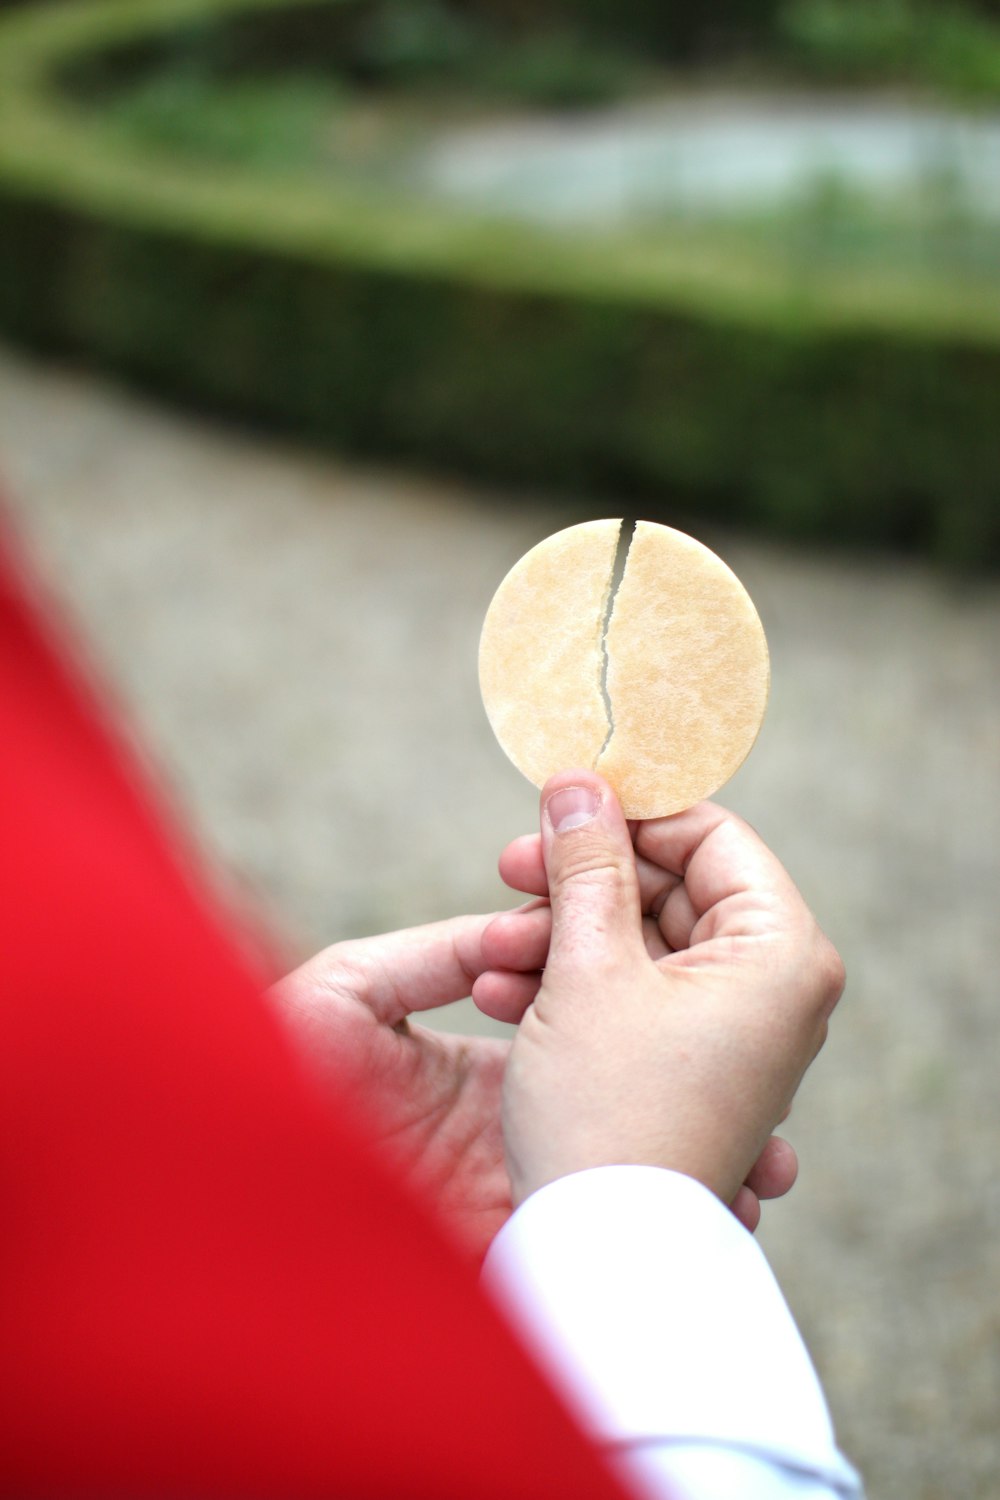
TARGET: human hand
(685,991)
(433,1099)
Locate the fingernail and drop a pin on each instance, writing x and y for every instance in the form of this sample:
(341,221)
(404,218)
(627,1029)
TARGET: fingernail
(572,806)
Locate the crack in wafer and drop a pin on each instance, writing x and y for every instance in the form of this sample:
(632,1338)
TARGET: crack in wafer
(626,532)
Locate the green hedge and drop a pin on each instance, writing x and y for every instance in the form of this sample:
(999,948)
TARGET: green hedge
(672,28)
(597,366)
(951,50)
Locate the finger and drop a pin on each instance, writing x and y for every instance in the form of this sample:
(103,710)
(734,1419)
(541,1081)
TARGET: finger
(393,975)
(522,866)
(593,886)
(518,939)
(735,885)
(678,917)
(746,1207)
(775,1170)
(671,843)
(505,996)
(653,938)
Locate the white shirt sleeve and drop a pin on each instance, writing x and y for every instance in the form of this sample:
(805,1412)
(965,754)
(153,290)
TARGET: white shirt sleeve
(658,1317)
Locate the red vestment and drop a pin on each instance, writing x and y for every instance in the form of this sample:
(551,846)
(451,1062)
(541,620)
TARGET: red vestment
(210,1284)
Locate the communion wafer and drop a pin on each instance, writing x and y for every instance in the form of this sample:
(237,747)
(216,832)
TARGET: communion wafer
(664,696)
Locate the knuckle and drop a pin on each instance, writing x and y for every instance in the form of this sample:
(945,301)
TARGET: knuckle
(819,1041)
(590,867)
(831,974)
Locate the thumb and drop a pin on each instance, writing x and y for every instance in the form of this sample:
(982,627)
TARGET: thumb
(593,885)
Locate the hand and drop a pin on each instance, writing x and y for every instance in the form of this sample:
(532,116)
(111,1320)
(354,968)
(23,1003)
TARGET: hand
(685,991)
(433,1099)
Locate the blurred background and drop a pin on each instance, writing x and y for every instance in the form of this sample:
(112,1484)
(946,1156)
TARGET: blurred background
(315,316)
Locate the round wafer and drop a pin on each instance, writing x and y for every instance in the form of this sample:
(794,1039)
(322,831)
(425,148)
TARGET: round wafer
(664,696)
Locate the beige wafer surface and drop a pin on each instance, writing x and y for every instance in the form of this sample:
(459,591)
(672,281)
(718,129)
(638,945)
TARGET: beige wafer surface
(687,672)
(540,655)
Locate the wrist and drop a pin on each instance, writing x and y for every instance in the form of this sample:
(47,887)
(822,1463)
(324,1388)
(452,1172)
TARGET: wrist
(722,1181)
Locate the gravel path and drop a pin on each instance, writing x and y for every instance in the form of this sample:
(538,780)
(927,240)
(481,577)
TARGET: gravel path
(295,640)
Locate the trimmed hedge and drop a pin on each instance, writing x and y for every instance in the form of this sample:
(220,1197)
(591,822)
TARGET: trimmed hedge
(399,329)
(671,28)
(951,50)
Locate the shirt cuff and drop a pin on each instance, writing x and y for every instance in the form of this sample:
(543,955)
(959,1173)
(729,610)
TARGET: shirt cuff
(656,1313)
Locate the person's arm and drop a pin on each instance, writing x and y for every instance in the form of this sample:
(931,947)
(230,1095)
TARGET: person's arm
(686,988)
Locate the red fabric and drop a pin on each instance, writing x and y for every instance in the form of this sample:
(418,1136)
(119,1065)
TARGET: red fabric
(208,1283)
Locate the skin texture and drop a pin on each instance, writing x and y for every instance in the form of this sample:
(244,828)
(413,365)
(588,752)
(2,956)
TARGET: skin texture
(685,992)
(432,1099)
(439,1104)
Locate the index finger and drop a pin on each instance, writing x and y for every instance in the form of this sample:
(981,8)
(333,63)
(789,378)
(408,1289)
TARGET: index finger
(397,973)
(729,882)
